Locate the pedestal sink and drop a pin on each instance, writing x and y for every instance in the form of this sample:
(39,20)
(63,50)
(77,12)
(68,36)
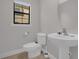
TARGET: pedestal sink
(63,42)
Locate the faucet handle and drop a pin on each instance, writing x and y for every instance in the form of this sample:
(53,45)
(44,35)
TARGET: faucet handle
(59,33)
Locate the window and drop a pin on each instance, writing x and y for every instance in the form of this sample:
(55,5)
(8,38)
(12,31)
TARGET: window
(21,14)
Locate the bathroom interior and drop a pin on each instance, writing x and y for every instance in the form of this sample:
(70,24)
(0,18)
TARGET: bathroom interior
(51,29)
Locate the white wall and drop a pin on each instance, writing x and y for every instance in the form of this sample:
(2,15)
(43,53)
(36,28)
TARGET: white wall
(49,16)
(12,37)
(69,15)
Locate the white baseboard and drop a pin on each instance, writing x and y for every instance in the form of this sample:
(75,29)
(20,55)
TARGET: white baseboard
(13,52)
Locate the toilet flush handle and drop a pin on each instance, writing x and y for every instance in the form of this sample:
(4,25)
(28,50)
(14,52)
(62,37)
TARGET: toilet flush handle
(26,33)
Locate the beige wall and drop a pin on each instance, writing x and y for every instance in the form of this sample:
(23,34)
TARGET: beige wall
(11,36)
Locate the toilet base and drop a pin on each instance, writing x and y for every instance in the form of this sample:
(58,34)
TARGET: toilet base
(33,55)
(33,49)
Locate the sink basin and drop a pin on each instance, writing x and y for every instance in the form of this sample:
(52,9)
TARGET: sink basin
(63,40)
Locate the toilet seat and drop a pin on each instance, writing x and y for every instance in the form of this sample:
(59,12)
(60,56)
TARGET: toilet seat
(32,44)
(33,49)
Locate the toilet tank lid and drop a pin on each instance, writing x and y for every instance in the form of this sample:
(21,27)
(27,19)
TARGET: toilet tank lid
(41,34)
(33,44)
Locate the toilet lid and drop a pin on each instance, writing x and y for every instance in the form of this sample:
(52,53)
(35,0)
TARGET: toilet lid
(33,44)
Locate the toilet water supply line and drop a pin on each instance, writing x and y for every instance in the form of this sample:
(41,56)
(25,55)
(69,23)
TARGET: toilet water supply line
(46,49)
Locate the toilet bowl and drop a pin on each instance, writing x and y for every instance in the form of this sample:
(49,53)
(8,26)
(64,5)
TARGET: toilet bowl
(34,49)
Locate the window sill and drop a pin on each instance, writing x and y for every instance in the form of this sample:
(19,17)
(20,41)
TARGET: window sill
(22,25)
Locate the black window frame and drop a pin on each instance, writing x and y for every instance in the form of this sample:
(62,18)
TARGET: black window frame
(20,13)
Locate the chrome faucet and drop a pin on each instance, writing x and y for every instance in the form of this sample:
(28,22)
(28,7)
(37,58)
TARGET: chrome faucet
(64,31)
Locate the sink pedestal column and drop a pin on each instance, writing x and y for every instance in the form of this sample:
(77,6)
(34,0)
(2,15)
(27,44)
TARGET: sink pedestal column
(64,53)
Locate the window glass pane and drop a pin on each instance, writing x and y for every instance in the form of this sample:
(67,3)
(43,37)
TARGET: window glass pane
(18,7)
(25,16)
(25,20)
(26,9)
(18,16)
(21,14)
(18,20)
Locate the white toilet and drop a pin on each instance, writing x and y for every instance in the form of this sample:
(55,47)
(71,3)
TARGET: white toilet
(34,49)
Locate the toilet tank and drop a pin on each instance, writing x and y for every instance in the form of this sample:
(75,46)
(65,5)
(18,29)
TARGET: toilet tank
(41,38)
